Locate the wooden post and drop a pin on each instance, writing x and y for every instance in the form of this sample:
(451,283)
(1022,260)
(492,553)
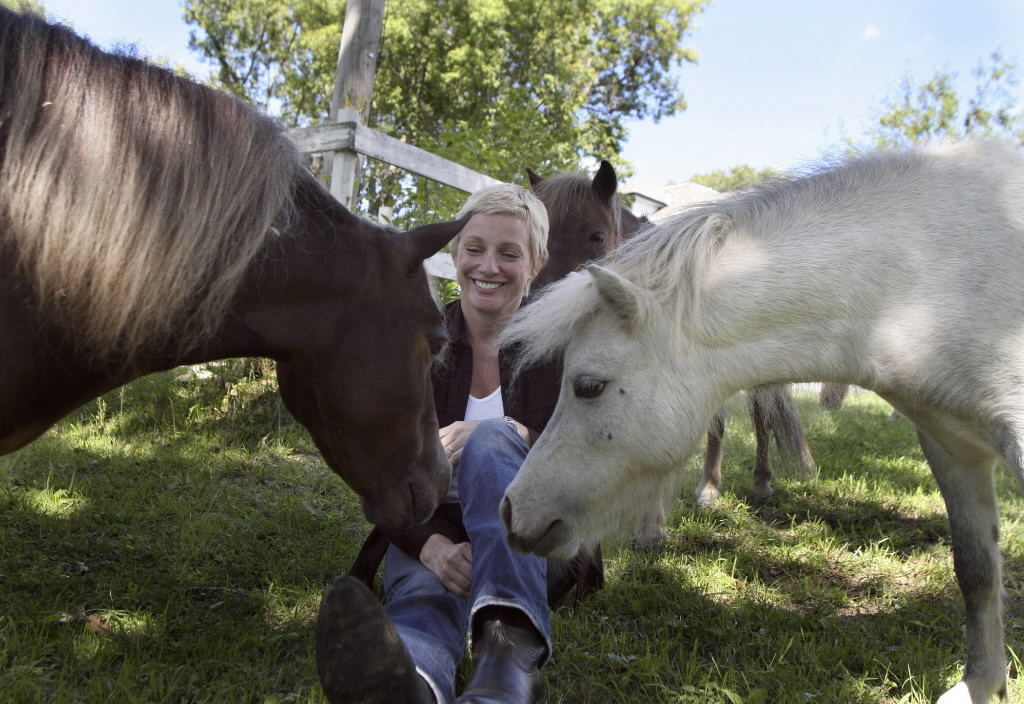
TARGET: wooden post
(353,86)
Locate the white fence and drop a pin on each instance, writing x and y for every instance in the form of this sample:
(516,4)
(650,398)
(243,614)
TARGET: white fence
(348,135)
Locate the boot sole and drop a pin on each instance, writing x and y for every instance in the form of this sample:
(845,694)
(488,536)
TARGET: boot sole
(360,658)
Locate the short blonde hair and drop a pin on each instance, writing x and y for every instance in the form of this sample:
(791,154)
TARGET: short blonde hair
(510,199)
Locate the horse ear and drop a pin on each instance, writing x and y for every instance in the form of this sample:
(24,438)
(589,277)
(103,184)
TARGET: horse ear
(427,240)
(534,178)
(605,182)
(622,295)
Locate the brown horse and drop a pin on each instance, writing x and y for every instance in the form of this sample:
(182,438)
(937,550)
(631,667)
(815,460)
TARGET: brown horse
(147,221)
(587,221)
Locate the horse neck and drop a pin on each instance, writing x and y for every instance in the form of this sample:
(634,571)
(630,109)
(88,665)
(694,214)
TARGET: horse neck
(794,308)
(312,264)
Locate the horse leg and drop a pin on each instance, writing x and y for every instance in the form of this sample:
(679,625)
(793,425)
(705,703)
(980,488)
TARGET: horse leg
(832,395)
(761,419)
(968,489)
(787,428)
(651,535)
(711,481)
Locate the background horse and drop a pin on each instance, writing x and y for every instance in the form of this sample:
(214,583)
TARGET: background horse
(587,221)
(898,272)
(147,221)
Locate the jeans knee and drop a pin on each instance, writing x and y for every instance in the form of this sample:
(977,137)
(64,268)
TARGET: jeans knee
(493,450)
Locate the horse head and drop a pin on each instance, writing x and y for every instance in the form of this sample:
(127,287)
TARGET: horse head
(587,219)
(614,417)
(355,333)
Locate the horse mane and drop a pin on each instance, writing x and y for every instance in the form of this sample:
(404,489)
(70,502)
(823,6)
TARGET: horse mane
(571,192)
(542,328)
(133,199)
(668,259)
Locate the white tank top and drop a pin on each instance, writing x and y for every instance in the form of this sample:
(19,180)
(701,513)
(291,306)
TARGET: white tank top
(484,408)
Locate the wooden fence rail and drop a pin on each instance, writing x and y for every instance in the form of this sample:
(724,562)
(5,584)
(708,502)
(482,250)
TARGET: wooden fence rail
(348,135)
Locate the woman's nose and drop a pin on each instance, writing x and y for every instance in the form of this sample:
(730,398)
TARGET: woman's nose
(489,262)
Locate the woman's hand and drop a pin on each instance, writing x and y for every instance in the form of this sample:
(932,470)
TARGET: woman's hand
(454,436)
(451,562)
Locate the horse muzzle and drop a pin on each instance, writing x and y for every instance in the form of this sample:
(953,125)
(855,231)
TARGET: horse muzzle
(557,539)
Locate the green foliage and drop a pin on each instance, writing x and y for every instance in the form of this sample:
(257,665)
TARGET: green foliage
(735,178)
(25,6)
(497,85)
(447,290)
(917,114)
(276,54)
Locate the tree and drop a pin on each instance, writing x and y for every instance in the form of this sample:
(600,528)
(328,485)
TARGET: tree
(497,85)
(25,6)
(918,114)
(735,178)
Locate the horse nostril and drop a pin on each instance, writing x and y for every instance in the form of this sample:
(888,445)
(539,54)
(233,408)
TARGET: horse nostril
(505,511)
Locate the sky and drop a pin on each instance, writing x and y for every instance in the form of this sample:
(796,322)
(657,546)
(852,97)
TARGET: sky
(777,83)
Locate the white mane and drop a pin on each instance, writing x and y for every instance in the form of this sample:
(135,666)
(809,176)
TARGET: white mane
(542,329)
(668,261)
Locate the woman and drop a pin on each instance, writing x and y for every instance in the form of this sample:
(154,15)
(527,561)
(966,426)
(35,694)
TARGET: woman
(455,575)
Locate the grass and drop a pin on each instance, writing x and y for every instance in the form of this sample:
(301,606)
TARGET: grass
(169,543)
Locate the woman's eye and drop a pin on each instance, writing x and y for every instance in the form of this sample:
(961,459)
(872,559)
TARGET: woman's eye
(588,387)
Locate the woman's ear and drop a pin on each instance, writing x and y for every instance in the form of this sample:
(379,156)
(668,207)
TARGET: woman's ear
(537,268)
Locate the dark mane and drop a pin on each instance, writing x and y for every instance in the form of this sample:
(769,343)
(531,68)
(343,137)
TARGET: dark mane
(132,198)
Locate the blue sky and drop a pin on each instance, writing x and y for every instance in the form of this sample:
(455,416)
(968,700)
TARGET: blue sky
(777,82)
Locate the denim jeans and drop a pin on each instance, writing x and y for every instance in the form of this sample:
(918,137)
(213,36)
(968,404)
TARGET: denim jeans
(433,623)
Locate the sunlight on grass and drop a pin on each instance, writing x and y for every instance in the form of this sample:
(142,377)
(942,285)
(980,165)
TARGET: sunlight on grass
(205,525)
(56,503)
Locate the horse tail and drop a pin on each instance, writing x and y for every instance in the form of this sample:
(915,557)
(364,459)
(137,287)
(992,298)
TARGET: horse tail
(788,431)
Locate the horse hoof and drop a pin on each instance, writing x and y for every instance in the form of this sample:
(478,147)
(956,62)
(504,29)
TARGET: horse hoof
(707,496)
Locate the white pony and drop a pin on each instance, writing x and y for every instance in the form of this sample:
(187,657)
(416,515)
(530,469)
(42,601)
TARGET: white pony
(899,272)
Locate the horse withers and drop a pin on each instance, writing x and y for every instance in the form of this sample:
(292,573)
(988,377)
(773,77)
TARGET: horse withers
(897,272)
(147,221)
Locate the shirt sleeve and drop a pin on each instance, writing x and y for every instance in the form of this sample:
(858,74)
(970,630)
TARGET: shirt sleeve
(447,521)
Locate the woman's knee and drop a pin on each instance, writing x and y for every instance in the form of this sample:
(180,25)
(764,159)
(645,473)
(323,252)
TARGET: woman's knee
(493,447)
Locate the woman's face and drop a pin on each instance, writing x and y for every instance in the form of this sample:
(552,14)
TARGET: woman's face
(493,263)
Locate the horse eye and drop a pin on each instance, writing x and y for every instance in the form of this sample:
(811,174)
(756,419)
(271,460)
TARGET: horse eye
(597,237)
(588,387)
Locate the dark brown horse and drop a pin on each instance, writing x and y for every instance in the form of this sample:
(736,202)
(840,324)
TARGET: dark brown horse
(587,221)
(147,221)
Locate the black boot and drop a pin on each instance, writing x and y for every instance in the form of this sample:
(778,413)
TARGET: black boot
(359,656)
(507,667)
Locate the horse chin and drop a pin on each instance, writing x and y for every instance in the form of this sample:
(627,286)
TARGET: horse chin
(408,505)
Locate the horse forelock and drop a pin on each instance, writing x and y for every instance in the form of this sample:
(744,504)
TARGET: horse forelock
(542,329)
(135,199)
(570,193)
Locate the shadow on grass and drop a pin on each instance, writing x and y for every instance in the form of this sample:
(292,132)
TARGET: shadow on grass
(663,636)
(207,557)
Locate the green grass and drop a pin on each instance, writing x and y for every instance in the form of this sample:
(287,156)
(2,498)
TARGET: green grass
(169,543)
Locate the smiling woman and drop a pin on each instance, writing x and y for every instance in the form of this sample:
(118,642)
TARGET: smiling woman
(455,576)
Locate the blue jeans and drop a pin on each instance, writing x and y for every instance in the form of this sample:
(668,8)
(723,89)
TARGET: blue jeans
(433,623)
